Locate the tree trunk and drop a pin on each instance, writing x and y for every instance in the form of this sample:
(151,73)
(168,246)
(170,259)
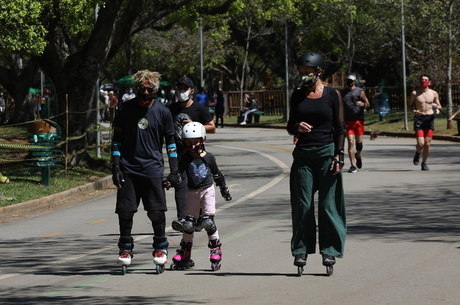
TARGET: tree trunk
(245,60)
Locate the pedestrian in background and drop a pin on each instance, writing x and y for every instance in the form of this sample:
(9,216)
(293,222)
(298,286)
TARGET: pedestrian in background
(355,101)
(219,108)
(425,102)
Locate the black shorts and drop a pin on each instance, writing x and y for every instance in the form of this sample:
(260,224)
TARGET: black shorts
(135,188)
(424,122)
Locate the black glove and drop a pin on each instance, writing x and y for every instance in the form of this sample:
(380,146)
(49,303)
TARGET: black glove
(175,179)
(225,193)
(117,176)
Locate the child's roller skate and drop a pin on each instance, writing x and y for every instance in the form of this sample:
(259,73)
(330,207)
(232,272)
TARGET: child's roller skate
(329,261)
(160,255)
(182,260)
(215,255)
(300,260)
(125,254)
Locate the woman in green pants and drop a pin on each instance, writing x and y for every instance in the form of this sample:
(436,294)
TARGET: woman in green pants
(317,122)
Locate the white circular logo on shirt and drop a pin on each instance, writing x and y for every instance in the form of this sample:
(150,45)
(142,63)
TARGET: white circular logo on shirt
(143,123)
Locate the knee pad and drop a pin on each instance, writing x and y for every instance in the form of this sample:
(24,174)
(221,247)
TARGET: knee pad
(208,224)
(359,146)
(189,224)
(156,217)
(126,243)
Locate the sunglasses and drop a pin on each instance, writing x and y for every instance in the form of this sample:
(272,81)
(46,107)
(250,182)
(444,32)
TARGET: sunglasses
(149,89)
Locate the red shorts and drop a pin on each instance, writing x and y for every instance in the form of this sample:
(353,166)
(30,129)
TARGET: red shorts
(424,133)
(355,127)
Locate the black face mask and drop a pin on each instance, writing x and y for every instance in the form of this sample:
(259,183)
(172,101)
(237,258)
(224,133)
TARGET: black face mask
(145,99)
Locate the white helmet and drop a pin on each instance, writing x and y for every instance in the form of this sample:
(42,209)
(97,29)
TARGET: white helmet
(193,130)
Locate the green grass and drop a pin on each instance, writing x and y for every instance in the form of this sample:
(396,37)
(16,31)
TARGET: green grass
(25,184)
(392,122)
(25,179)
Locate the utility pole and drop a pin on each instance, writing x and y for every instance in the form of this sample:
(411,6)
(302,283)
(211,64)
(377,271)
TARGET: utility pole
(403,42)
(201,52)
(287,66)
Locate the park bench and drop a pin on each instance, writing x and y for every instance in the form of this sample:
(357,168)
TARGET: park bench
(256,115)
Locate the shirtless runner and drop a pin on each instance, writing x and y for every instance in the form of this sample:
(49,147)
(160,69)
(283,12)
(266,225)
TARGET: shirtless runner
(425,103)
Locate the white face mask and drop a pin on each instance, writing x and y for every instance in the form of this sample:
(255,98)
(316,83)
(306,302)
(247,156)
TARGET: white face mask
(183,95)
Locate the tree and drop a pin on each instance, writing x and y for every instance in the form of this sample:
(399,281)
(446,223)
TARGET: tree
(77,48)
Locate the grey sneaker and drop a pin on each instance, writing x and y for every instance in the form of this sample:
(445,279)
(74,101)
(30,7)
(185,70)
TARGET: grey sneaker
(352,170)
(425,167)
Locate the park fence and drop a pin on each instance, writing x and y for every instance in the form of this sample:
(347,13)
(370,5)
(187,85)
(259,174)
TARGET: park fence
(273,102)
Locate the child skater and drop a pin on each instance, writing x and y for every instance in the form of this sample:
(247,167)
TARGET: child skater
(201,170)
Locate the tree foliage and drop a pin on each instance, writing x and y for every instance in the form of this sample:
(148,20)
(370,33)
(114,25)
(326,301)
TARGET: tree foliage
(75,42)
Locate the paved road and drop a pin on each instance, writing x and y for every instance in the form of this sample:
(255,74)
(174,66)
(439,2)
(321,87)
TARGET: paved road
(403,244)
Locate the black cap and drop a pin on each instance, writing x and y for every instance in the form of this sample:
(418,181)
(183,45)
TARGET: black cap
(185,81)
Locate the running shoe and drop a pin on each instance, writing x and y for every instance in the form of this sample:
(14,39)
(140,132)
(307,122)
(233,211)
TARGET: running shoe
(352,169)
(425,167)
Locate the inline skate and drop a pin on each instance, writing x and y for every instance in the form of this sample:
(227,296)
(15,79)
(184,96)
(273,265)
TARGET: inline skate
(182,260)
(329,262)
(125,254)
(300,260)
(215,255)
(160,255)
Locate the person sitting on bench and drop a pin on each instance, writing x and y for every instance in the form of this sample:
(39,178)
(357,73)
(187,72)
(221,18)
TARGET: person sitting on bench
(250,106)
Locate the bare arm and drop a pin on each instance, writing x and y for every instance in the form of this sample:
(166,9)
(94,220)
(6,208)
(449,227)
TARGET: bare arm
(210,127)
(436,101)
(364,100)
(411,101)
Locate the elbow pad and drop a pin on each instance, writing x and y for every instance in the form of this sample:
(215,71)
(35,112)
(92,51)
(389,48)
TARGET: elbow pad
(219,179)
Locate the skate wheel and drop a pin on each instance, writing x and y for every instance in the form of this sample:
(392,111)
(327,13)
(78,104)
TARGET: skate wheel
(299,270)
(160,268)
(329,270)
(124,269)
(215,266)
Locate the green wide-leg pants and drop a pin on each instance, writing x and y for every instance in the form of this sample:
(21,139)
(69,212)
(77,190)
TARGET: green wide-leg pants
(310,174)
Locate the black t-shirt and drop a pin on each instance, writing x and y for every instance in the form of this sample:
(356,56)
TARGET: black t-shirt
(199,171)
(141,132)
(197,112)
(324,114)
